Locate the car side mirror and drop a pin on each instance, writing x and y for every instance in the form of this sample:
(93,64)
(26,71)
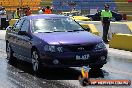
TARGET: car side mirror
(22,33)
(87,29)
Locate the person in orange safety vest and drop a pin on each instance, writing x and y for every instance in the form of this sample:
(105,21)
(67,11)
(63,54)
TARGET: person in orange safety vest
(47,10)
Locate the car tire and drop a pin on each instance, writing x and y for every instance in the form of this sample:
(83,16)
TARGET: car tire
(35,62)
(9,52)
(96,66)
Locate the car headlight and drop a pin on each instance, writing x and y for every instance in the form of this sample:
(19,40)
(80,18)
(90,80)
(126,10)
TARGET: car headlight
(53,48)
(100,46)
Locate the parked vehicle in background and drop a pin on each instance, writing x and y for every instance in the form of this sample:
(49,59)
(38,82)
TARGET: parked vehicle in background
(96,17)
(54,41)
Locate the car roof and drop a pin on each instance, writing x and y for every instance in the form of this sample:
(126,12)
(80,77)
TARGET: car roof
(45,16)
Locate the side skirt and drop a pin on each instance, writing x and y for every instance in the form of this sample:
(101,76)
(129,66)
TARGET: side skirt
(23,58)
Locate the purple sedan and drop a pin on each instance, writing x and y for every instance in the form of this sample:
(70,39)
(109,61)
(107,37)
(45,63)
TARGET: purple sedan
(54,41)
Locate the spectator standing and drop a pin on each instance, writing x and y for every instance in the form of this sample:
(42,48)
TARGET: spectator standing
(106,16)
(22,12)
(17,14)
(41,11)
(48,10)
(3,18)
(2,11)
(28,11)
(74,9)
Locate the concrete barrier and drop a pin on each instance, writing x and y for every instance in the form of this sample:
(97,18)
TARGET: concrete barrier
(124,27)
(121,41)
(92,27)
(129,24)
(129,17)
(120,33)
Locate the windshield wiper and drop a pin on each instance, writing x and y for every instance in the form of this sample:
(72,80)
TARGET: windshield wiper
(46,32)
(74,30)
(59,31)
(51,31)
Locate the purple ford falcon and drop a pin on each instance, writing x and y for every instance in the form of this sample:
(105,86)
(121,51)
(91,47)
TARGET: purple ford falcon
(54,41)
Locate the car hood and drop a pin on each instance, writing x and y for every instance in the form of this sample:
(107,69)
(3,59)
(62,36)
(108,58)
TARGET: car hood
(80,37)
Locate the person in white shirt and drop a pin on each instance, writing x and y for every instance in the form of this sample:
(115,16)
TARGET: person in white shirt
(40,10)
(3,18)
(2,11)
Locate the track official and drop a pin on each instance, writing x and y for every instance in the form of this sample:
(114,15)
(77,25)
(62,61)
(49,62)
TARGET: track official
(17,14)
(106,16)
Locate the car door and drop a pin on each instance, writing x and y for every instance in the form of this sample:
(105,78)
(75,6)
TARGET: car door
(13,36)
(25,40)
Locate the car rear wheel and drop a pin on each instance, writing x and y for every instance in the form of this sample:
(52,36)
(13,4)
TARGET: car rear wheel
(35,62)
(9,53)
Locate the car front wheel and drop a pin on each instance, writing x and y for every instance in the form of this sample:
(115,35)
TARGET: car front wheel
(96,66)
(35,62)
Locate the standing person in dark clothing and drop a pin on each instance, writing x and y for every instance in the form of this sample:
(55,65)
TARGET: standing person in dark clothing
(3,18)
(106,16)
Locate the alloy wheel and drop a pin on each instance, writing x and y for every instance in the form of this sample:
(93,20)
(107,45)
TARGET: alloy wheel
(8,51)
(35,62)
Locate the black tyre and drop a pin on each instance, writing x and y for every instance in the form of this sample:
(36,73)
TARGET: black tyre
(9,52)
(35,62)
(96,66)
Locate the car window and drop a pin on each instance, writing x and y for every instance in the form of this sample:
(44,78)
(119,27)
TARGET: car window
(54,25)
(25,26)
(17,25)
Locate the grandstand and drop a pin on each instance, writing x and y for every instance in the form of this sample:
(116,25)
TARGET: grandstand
(11,5)
(123,6)
(81,4)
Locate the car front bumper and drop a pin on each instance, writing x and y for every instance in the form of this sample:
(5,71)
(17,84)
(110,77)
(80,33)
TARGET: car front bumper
(69,59)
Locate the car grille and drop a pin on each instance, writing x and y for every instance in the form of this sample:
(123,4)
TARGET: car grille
(79,62)
(78,47)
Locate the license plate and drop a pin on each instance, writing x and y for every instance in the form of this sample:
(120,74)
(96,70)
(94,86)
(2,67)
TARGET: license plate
(82,57)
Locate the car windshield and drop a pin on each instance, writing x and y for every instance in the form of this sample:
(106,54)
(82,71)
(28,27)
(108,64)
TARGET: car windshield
(55,25)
